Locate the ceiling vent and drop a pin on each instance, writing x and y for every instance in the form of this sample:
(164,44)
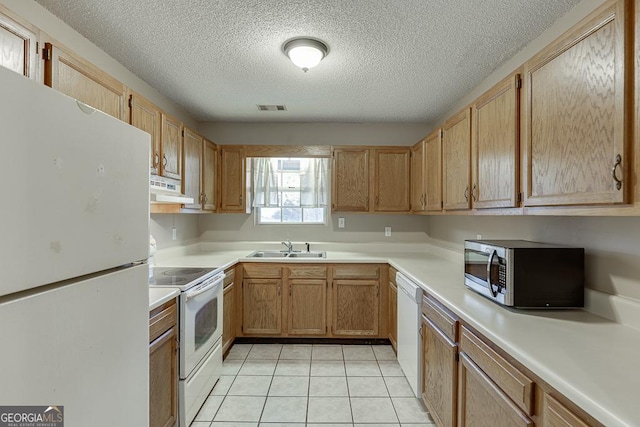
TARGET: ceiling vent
(265,107)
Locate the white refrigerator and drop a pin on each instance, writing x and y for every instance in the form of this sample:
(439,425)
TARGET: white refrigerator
(74,214)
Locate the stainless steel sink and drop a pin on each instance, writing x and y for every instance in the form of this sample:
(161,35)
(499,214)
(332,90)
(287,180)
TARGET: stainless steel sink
(279,254)
(268,254)
(308,254)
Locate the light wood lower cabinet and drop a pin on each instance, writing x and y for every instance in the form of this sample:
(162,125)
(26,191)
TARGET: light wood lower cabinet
(555,414)
(228,311)
(262,306)
(355,310)
(163,366)
(307,307)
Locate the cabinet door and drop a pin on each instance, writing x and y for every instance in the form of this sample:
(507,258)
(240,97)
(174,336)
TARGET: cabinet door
(575,143)
(68,73)
(439,374)
(232,179)
(163,380)
(496,138)
(191,179)
(392,175)
(356,307)
(456,159)
(350,180)
(433,171)
(171,147)
(393,315)
(555,414)
(307,307)
(209,162)
(18,45)
(418,191)
(146,116)
(228,327)
(262,306)
(482,403)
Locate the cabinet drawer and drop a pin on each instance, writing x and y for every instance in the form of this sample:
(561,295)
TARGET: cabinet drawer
(162,319)
(263,271)
(229,275)
(307,272)
(512,381)
(392,276)
(445,320)
(361,271)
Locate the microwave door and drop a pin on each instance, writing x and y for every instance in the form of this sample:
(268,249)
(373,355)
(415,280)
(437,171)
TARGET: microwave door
(483,268)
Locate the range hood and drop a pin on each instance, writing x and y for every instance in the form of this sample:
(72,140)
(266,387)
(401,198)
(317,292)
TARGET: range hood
(166,190)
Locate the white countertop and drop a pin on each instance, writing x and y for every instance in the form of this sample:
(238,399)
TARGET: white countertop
(158,296)
(589,359)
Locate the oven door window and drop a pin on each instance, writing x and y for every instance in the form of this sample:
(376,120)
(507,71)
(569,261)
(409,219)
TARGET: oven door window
(475,267)
(206,323)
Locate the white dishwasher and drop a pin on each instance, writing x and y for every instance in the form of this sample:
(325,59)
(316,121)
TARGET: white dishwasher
(409,339)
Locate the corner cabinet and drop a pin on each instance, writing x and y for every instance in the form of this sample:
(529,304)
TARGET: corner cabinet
(232,179)
(18,41)
(495,146)
(418,181)
(163,365)
(72,75)
(576,147)
(433,171)
(456,161)
(350,180)
(209,175)
(261,299)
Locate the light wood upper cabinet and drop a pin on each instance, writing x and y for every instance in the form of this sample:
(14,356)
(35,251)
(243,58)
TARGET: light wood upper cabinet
(171,147)
(209,177)
(146,116)
(72,75)
(456,161)
(192,162)
(392,177)
(574,127)
(418,180)
(18,41)
(350,180)
(232,179)
(307,306)
(433,171)
(495,144)
(262,306)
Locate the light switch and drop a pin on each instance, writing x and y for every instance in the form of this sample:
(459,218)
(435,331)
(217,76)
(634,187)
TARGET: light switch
(340,222)
(387,231)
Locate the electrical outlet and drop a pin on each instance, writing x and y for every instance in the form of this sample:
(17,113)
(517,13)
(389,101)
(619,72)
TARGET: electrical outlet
(340,222)
(478,236)
(174,233)
(387,231)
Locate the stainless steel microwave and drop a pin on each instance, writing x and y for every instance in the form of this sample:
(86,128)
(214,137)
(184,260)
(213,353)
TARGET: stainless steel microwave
(523,274)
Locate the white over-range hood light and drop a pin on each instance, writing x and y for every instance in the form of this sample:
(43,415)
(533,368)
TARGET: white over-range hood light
(166,190)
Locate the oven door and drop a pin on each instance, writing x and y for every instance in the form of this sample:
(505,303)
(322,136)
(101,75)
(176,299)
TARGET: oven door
(485,268)
(200,322)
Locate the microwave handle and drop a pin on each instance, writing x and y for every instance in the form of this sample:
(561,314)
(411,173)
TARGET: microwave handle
(489,262)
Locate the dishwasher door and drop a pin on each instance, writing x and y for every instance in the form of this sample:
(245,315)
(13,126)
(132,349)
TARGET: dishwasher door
(409,339)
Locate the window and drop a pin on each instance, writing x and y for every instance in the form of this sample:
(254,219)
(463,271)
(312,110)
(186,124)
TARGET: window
(290,190)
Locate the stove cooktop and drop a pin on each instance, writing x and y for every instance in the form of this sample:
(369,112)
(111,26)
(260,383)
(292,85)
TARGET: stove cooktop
(179,277)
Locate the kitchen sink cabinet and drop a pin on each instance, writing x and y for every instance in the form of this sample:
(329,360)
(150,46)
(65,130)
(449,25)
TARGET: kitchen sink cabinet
(307,307)
(433,171)
(575,132)
(147,117)
(456,161)
(209,171)
(232,179)
(192,168)
(262,306)
(495,143)
(356,299)
(72,75)
(391,178)
(163,365)
(171,134)
(350,179)
(439,361)
(228,310)
(393,309)
(18,41)
(418,180)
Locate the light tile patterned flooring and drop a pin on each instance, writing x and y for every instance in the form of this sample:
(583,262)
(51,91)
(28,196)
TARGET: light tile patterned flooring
(293,385)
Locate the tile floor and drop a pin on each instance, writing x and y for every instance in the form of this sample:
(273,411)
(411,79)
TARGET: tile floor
(293,385)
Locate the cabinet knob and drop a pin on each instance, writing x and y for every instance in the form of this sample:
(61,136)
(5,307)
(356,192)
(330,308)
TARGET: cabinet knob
(164,160)
(466,194)
(474,192)
(613,172)
(156,159)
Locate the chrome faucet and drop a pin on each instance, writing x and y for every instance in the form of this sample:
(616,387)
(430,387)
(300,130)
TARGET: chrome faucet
(289,245)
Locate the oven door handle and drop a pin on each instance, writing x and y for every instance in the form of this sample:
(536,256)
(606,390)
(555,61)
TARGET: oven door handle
(205,287)
(489,262)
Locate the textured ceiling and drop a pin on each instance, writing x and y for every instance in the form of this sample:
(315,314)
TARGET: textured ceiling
(389,60)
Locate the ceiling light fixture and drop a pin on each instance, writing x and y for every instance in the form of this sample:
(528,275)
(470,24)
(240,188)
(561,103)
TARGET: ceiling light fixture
(305,53)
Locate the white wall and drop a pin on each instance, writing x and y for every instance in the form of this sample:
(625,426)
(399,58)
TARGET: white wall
(186,226)
(314,133)
(37,15)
